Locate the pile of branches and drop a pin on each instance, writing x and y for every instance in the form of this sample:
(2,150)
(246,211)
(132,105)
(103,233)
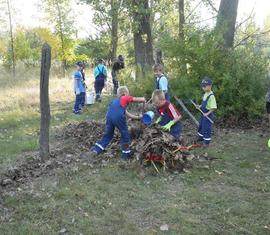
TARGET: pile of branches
(158,148)
(150,144)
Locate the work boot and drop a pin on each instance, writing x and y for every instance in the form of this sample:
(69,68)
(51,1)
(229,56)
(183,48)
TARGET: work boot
(125,156)
(77,112)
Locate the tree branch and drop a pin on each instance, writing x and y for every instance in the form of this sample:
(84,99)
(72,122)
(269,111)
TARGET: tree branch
(241,23)
(197,22)
(252,35)
(212,5)
(191,12)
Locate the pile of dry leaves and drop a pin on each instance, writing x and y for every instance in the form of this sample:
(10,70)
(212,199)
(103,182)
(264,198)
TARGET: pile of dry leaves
(150,144)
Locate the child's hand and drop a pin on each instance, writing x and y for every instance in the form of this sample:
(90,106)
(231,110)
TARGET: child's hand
(168,126)
(158,120)
(198,106)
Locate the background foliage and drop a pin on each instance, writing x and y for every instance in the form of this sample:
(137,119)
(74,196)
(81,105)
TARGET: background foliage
(239,74)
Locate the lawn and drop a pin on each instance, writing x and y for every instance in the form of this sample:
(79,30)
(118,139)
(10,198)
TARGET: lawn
(229,195)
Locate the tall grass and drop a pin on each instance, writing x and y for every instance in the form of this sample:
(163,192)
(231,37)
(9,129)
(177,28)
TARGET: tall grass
(19,109)
(22,93)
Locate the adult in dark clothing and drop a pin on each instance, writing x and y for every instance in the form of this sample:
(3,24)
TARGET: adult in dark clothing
(267,97)
(117,66)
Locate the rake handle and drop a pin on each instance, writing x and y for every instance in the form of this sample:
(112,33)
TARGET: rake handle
(195,105)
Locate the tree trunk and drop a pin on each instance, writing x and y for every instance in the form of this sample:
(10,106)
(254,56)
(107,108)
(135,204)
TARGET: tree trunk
(226,21)
(114,33)
(44,149)
(142,34)
(181,9)
(181,20)
(64,62)
(158,57)
(11,41)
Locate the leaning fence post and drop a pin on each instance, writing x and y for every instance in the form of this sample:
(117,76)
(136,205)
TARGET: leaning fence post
(44,148)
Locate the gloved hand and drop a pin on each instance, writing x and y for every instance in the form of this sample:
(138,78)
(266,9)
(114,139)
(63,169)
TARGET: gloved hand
(77,91)
(158,120)
(168,126)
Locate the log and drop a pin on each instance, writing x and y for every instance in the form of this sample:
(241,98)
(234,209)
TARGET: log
(44,148)
(180,102)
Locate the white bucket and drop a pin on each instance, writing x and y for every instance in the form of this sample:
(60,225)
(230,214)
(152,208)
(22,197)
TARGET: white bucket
(90,97)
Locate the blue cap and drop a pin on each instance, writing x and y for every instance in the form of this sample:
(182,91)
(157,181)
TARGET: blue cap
(206,82)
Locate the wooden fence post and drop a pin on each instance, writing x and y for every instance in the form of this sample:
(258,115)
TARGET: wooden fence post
(44,148)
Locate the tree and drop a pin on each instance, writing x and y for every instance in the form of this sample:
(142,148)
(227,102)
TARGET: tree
(142,34)
(10,55)
(226,21)
(181,19)
(107,13)
(114,30)
(94,48)
(11,39)
(59,15)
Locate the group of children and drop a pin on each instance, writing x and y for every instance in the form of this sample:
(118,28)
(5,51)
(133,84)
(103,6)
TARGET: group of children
(100,74)
(169,117)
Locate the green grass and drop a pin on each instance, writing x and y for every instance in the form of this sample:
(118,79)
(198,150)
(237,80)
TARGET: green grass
(19,130)
(228,196)
(20,117)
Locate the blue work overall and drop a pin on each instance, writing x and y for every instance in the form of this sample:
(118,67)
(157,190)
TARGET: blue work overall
(116,118)
(205,127)
(167,96)
(165,119)
(99,84)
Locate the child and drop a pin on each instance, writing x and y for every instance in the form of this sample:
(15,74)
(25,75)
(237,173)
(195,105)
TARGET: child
(170,117)
(100,74)
(79,88)
(116,118)
(83,94)
(208,107)
(161,80)
(268,104)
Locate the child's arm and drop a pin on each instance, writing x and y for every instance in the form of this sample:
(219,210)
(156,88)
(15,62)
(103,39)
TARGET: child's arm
(177,119)
(212,105)
(209,112)
(139,99)
(132,116)
(77,90)
(105,70)
(175,115)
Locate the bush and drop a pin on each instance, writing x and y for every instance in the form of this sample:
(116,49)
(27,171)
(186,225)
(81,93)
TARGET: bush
(139,83)
(240,75)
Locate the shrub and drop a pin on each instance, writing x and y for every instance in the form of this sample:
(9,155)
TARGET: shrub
(240,75)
